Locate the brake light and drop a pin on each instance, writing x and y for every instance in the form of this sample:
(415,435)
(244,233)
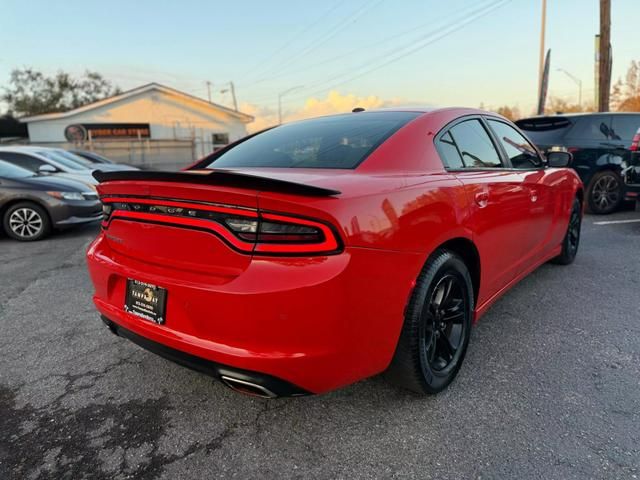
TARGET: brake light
(244,229)
(635,141)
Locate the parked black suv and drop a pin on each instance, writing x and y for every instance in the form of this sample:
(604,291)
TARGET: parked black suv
(631,172)
(600,143)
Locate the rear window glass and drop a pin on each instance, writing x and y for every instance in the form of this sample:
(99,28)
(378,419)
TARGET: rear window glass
(545,130)
(595,127)
(474,144)
(624,127)
(342,141)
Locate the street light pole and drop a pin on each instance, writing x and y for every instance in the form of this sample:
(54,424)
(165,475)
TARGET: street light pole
(577,81)
(280,95)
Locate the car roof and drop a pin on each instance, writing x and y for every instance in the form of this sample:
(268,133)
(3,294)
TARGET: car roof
(27,148)
(580,114)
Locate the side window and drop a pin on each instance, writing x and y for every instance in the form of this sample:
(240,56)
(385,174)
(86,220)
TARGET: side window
(520,152)
(474,144)
(24,161)
(449,152)
(624,127)
(592,127)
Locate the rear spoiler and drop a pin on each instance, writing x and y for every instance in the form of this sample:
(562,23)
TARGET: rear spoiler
(227,178)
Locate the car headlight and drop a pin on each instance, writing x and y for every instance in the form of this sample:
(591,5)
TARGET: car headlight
(66,195)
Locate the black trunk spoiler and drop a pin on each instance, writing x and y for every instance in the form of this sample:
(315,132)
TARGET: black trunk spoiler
(216,177)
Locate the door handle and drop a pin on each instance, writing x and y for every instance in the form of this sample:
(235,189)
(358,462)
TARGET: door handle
(482,199)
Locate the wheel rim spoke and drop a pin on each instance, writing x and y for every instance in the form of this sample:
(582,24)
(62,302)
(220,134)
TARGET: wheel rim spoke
(25,222)
(445,323)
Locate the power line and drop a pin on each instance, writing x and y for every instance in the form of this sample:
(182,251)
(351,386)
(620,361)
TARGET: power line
(428,41)
(322,39)
(288,69)
(451,20)
(290,41)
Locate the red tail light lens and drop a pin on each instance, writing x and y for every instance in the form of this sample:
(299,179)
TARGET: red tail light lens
(246,230)
(635,141)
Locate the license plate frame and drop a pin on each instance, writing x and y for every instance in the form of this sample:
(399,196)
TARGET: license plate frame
(146,301)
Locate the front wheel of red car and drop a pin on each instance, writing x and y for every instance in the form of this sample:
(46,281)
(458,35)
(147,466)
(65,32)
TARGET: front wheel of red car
(437,326)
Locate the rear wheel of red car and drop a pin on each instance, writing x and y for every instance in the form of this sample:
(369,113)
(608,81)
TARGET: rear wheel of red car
(572,237)
(26,222)
(437,326)
(605,192)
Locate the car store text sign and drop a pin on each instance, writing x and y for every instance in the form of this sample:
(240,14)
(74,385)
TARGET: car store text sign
(81,132)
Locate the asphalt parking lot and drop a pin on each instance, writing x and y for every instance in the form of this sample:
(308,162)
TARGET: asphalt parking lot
(550,388)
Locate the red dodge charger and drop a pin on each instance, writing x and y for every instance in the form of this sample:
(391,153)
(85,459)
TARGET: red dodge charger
(314,254)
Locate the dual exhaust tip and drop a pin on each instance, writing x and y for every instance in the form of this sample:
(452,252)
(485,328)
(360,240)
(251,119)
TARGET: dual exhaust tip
(247,388)
(236,384)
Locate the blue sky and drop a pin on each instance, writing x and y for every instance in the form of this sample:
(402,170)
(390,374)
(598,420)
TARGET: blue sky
(457,52)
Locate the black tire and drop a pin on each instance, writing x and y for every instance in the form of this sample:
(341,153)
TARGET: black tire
(419,363)
(571,240)
(35,225)
(605,193)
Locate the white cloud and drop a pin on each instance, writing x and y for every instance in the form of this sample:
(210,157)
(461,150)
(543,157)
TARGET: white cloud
(335,102)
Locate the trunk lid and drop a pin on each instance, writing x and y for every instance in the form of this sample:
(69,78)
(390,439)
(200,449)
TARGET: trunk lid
(176,219)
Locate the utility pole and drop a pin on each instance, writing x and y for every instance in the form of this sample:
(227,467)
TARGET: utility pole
(280,95)
(232,89)
(543,26)
(208,90)
(233,94)
(604,76)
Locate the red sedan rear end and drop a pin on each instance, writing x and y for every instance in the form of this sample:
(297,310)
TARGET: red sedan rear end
(318,253)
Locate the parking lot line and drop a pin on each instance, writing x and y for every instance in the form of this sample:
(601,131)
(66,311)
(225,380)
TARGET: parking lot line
(612,222)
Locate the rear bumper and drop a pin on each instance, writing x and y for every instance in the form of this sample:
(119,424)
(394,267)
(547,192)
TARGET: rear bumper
(316,323)
(278,387)
(632,192)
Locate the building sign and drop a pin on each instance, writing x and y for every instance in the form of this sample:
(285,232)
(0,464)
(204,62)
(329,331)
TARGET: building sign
(80,132)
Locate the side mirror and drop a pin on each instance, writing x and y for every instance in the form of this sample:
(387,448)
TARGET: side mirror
(559,159)
(46,168)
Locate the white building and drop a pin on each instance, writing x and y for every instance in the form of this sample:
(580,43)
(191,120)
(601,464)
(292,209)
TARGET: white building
(151,125)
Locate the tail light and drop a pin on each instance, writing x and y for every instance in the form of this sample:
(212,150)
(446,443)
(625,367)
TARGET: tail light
(246,230)
(635,141)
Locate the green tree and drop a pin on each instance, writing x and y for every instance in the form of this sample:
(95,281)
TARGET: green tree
(31,92)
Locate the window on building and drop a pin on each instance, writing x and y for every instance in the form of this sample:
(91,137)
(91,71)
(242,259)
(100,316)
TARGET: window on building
(220,139)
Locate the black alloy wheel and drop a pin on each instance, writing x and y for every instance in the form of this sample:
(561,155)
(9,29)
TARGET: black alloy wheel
(605,193)
(444,324)
(437,326)
(571,240)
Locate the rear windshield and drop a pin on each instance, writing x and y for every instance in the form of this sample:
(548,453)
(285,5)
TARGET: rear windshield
(342,141)
(545,130)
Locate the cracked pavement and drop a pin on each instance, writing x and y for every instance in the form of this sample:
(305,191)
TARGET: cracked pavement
(550,388)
